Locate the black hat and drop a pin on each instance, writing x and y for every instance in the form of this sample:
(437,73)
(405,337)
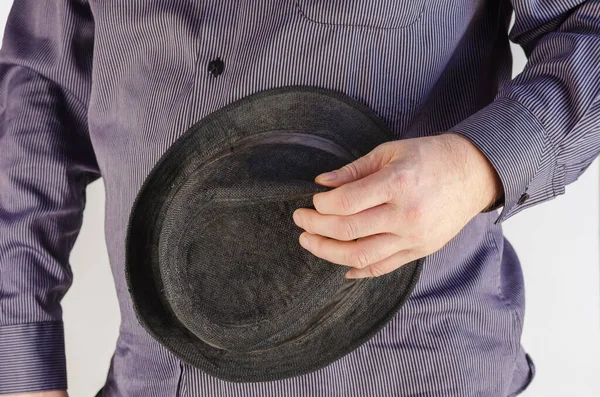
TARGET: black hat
(213,262)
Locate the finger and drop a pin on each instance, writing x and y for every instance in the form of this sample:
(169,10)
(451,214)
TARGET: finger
(359,253)
(345,228)
(359,168)
(353,197)
(384,266)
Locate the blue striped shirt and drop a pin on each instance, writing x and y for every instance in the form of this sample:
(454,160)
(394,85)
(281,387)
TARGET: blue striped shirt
(97,88)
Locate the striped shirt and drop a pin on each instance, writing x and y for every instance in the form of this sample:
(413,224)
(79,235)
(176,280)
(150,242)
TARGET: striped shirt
(98,88)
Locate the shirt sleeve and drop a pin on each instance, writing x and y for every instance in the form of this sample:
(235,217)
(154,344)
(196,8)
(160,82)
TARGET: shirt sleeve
(542,130)
(46,162)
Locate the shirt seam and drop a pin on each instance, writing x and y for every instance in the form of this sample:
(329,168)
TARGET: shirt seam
(373,27)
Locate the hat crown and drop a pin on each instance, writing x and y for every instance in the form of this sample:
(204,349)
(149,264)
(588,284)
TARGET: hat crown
(235,274)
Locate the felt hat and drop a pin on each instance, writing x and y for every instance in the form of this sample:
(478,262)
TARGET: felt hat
(213,263)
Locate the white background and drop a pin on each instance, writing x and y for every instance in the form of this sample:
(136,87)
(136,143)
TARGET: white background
(557,242)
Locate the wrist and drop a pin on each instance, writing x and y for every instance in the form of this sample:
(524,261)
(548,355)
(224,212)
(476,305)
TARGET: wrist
(480,176)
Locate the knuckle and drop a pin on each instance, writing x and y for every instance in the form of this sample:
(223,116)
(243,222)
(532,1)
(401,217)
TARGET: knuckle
(359,259)
(395,213)
(384,151)
(398,176)
(345,202)
(338,230)
(348,229)
(351,169)
(397,185)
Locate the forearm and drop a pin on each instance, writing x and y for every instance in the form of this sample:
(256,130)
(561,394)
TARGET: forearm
(541,131)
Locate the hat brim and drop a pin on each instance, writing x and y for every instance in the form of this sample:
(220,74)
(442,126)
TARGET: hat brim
(371,305)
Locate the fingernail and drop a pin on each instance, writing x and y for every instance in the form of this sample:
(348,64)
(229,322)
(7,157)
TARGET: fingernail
(350,274)
(328,176)
(304,241)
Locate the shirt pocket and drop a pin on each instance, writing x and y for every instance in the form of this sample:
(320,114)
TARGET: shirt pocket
(382,14)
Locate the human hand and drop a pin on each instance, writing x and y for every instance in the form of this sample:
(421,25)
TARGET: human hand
(402,201)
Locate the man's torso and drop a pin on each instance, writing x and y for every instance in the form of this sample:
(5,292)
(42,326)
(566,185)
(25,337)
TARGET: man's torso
(421,65)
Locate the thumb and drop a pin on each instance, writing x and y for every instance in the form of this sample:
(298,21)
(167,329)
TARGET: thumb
(358,169)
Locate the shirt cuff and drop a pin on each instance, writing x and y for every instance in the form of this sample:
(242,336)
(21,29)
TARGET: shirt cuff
(32,358)
(517,146)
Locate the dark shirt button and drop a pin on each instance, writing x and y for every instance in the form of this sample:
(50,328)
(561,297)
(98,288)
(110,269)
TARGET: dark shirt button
(523,198)
(215,67)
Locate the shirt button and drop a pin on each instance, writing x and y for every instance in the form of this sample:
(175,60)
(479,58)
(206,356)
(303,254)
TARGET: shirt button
(215,67)
(523,198)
